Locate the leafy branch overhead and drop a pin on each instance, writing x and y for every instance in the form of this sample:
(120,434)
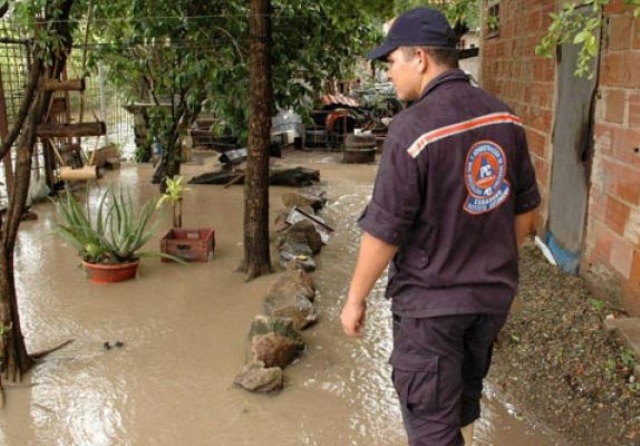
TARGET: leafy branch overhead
(579,26)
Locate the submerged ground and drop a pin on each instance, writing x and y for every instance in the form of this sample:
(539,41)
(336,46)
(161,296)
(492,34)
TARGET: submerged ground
(184,333)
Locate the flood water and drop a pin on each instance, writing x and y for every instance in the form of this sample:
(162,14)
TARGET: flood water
(184,332)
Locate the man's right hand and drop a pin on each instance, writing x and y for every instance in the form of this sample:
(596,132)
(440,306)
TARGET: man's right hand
(352,317)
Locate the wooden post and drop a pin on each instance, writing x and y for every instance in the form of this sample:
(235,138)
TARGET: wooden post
(63,85)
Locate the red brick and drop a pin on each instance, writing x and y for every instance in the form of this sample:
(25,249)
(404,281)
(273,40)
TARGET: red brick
(628,187)
(634,109)
(620,143)
(541,167)
(621,257)
(603,243)
(620,31)
(597,204)
(539,93)
(620,69)
(547,10)
(603,135)
(544,69)
(615,103)
(614,7)
(534,21)
(635,34)
(622,181)
(537,143)
(617,215)
(625,146)
(539,118)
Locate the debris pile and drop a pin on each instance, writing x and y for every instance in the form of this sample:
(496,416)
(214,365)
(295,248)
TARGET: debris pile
(275,337)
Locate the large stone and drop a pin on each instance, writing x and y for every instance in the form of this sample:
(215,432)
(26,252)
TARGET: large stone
(302,232)
(316,190)
(294,281)
(266,324)
(302,261)
(291,199)
(297,176)
(291,296)
(274,349)
(299,309)
(255,377)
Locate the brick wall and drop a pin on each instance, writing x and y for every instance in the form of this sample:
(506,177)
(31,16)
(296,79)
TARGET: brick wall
(510,69)
(612,246)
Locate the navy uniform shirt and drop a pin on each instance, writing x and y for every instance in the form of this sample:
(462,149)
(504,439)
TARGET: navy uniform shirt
(455,170)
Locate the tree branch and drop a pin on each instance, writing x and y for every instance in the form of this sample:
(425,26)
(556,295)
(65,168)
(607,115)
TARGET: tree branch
(32,85)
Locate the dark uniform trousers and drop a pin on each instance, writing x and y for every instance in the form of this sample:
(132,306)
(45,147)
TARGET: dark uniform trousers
(438,367)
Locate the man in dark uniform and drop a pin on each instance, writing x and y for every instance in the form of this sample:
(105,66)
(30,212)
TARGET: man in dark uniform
(454,198)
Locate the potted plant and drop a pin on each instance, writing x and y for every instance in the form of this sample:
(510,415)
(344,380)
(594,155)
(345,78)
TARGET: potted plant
(187,244)
(174,194)
(109,241)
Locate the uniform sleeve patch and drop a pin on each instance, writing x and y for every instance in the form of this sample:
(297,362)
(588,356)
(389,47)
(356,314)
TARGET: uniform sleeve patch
(485,171)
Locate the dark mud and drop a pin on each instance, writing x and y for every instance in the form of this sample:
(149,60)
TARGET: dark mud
(558,364)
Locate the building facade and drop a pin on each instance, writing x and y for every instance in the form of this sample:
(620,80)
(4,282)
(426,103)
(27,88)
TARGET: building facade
(583,133)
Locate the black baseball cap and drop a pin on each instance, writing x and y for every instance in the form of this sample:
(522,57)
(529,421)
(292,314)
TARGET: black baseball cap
(417,27)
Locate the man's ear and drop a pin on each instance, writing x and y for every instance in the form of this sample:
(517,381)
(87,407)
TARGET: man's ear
(422,59)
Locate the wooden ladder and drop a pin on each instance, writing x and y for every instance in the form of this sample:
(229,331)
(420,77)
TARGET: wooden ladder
(57,133)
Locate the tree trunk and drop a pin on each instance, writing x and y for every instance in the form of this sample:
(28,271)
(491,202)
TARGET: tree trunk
(257,258)
(169,165)
(15,358)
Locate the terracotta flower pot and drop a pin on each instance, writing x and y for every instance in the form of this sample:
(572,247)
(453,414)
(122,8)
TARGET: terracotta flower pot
(103,273)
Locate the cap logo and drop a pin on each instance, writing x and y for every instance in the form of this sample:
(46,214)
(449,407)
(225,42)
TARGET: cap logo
(485,170)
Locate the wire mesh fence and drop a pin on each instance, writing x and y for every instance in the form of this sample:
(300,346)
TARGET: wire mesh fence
(100,101)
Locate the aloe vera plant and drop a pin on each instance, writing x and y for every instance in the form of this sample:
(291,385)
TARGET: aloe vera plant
(114,234)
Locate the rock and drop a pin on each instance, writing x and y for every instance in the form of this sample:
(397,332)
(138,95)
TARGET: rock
(274,349)
(294,248)
(318,191)
(265,324)
(302,232)
(294,281)
(299,309)
(255,377)
(219,177)
(291,296)
(300,200)
(302,261)
(297,176)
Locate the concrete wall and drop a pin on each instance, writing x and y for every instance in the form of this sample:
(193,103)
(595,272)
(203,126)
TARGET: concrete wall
(510,69)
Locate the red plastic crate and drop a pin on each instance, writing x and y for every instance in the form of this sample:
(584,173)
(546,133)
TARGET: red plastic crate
(193,245)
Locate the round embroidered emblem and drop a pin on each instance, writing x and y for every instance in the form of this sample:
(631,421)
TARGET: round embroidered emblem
(485,170)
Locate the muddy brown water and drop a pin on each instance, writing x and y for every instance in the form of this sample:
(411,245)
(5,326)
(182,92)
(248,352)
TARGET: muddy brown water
(184,333)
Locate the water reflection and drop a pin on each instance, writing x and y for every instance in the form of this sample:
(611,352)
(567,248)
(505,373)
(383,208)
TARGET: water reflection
(185,340)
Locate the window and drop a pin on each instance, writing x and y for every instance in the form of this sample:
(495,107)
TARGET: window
(493,18)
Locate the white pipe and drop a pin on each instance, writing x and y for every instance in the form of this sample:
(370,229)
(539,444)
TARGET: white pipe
(546,252)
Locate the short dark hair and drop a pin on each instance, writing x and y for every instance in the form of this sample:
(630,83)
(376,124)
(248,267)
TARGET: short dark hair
(447,57)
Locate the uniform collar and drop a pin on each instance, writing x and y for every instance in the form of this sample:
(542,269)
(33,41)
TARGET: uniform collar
(455,74)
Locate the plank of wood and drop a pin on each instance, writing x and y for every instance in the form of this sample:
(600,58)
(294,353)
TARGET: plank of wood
(61,130)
